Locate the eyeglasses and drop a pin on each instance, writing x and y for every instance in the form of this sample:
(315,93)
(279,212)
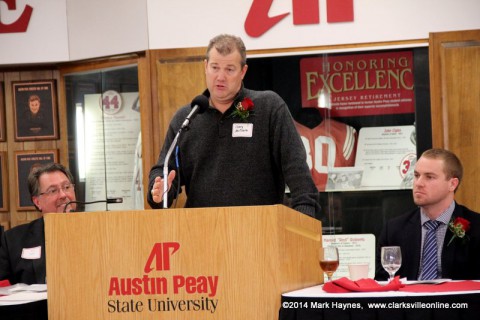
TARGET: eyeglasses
(55,191)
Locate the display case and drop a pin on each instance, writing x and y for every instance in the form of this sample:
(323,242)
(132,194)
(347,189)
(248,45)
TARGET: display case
(105,137)
(363,117)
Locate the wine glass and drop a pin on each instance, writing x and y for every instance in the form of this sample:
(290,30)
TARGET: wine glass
(329,260)
(391,260)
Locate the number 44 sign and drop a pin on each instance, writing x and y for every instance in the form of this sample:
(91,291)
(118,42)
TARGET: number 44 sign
(111,102)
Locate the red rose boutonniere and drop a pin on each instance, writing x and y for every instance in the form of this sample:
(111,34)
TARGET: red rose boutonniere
(243,109)
(459,227)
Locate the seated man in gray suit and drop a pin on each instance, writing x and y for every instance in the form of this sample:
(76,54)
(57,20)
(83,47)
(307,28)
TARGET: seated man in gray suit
(22,250)
(440,238)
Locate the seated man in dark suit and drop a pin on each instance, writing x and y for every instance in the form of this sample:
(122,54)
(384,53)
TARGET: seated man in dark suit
(22,250)
(431,246)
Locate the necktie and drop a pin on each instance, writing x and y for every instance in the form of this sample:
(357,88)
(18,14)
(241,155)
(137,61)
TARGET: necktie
(430,261)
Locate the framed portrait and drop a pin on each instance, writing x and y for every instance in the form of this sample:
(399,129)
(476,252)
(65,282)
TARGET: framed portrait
(26,162)
(2,113)
(35,109)
(3,182)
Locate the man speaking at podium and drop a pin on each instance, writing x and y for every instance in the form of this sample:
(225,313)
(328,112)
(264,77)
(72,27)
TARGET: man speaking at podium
(22,251)
(242,150)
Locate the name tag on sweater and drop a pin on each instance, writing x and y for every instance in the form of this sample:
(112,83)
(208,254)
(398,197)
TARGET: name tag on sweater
(32,253)
(242,130)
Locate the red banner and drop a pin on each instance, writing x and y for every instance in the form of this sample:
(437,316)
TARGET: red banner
(359,85)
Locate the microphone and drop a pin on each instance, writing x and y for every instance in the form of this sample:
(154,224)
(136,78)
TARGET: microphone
(110,200)
(199,105)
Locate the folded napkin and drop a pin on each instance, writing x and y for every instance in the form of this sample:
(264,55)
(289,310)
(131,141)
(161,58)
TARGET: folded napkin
(466,285)
(344,285)
(4,283)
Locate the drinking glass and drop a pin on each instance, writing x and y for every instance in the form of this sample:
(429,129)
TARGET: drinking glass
(391,260)
(329,260)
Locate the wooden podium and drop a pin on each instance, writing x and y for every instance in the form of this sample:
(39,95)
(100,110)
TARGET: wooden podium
(207,263)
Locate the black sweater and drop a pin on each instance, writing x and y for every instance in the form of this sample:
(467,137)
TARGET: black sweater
(220,170)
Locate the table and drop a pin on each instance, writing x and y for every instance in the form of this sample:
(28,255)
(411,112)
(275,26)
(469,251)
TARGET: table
(24,306)
(36,310)
(314,303)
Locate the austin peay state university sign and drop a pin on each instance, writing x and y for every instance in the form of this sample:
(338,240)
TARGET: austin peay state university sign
(304,12)
(257,21)
(21,24)
(125,292)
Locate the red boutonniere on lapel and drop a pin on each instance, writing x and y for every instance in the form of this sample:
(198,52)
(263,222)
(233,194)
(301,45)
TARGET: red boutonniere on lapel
(243,109)
(459,227)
